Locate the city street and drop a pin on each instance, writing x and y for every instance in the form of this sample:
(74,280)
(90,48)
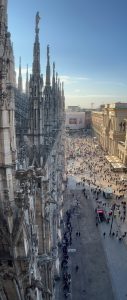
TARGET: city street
(101,259)
(92,280)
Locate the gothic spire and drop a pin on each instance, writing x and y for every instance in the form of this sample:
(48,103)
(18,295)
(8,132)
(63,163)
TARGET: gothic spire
(27,82)
(20,76)
(48,68)
(36,51)
(56,81)
(53,76)
(62,89)
(3,17)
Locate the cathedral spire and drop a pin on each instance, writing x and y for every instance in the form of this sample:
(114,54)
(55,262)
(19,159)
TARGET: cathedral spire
(62,89)
(53,77)
(20,76)
(27,82)
(36,51)
(48,68)
(3,17)
(56,83)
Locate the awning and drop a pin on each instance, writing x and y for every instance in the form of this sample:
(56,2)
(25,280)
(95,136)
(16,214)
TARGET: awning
(115,162)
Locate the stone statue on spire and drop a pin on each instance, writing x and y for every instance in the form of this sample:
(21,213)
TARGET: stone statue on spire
(37,21)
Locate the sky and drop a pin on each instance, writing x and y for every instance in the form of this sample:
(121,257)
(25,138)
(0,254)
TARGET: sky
(88,42)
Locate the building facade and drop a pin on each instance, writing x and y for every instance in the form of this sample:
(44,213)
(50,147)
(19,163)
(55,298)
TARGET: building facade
(75,120)
(31,175)
(109,125)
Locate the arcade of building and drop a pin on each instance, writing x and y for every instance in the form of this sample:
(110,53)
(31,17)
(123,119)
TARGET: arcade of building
(110,127)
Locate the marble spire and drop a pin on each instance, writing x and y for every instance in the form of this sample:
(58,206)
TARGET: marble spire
(20,77)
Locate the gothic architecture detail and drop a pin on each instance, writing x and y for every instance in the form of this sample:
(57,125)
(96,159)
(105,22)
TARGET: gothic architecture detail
(31,174)
(20,77)
(27,82)
(35,98)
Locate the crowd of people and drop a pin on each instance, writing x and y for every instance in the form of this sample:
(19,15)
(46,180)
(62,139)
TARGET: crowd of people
(91,165)
(86,161)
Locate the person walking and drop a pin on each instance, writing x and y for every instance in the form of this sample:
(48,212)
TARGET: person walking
(104,234)
(76,268)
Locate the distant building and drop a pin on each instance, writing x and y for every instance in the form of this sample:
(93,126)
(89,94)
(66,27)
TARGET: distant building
(75,120)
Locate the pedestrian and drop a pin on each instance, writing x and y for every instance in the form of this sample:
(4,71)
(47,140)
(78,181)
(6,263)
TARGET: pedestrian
(76,268)
(117,233)
(104,234)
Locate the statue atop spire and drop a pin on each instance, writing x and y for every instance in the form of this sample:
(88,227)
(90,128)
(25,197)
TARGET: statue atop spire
(37,22)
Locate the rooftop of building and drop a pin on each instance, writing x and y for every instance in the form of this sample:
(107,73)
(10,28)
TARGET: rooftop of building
(116,105)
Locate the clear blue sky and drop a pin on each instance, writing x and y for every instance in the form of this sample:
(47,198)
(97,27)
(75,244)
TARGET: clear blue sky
(88,42)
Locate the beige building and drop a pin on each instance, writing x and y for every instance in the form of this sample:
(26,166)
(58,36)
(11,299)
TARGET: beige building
(97,124)
(109,125)
(122,147)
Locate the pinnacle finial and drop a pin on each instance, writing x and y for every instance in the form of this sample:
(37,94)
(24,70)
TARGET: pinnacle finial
(53,69)
(20,61)
(48,54)
(20,76)
(36,52)
(37,22)
(48,68)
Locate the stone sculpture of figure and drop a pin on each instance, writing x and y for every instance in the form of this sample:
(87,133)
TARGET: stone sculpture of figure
(37,19)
